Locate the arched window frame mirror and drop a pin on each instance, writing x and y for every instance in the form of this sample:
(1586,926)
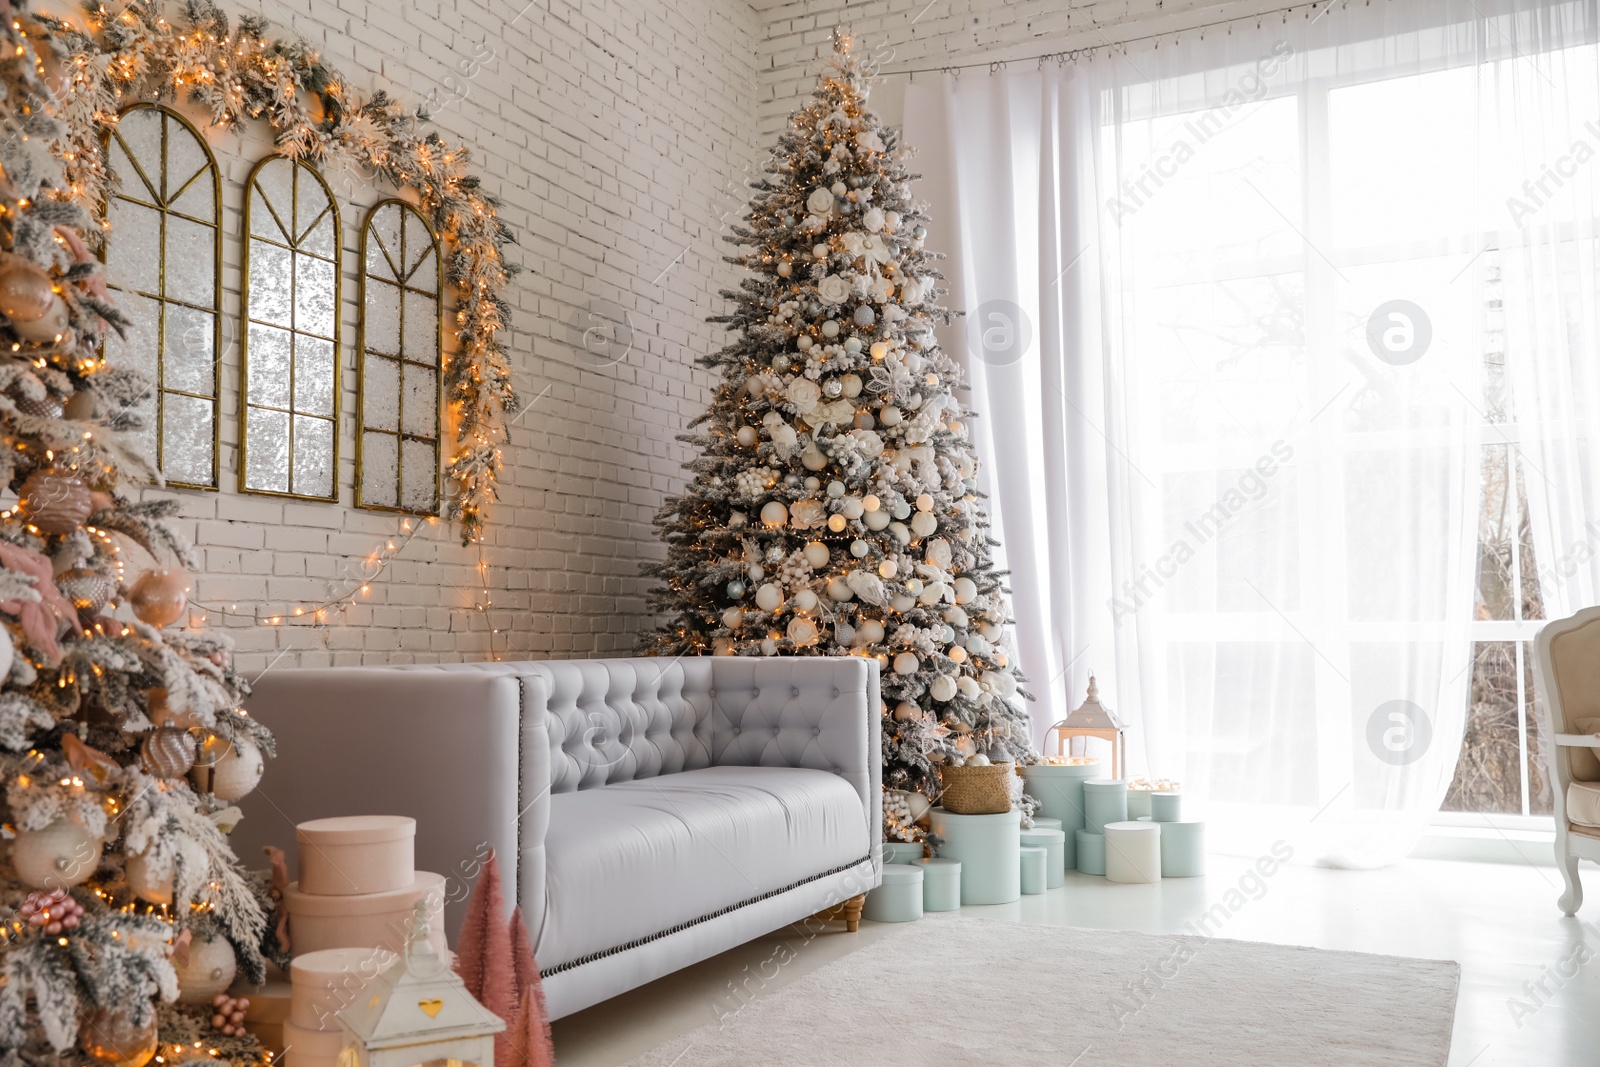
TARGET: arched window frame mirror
(269,316)
(413,351)
(186,334)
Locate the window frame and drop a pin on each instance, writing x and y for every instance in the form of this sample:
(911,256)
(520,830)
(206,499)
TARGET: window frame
(162,299)
(337,259)
(400,358)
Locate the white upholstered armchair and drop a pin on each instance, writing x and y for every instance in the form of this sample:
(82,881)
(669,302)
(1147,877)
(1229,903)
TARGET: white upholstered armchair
(1567,655)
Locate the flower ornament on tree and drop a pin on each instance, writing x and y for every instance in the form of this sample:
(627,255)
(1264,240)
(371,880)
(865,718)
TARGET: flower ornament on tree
(859,467)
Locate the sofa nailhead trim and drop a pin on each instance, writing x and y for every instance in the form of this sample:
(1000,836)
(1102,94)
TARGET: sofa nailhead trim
(641,941)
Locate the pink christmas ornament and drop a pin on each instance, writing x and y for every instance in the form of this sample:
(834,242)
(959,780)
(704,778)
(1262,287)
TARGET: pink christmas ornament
(54,500)
(160,596)
(228,1014)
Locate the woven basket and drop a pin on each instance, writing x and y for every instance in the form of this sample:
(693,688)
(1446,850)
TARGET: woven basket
(977,790)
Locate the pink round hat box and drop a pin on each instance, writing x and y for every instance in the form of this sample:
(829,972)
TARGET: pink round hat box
(327,981)
(311,1048)
(356,854)
(371,920)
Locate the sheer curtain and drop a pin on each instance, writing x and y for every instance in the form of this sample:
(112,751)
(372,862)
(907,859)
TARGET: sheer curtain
(1239,313)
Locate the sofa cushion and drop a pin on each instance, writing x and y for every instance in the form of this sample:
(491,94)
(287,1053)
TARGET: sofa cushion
(634,860)
(1583,803)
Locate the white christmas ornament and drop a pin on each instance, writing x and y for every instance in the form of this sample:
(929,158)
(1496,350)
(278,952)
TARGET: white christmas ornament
(804,600)
(968,686)
(62,854)
(733,617)
(816,554)
(746,436)
(819,201)
(839,589)
(906,663)
(888,568)
(870,631)
(902,603)
(942,688)
(966,589)
(149,880)
(769,597)
(774,514)
(923,524)
(877,520)
(237,770)
(209,969)
(802,631)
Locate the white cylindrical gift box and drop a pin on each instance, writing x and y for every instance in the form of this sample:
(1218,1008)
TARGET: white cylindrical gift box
(311,1048)
(1133,852)
(1058,787)
(356,855)
(1138,803)
(1091,852)
(372,920)
(941,885)
(1183,849)
(988,849)
(1166,807)
(1054,844)
(1105,800)
(898,898)
(330,980)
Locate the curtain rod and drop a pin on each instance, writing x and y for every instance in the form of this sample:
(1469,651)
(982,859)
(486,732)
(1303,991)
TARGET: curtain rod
(996,65)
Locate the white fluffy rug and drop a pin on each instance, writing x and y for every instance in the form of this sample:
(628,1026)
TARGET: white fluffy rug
(954,991)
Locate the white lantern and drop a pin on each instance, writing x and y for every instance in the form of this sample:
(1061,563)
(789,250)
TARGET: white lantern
(417,1010)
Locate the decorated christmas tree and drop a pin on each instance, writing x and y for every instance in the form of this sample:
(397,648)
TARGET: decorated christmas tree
(124,915)
(833,506)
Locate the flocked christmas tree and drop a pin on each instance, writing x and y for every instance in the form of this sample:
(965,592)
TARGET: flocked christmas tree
(833,507)
(124,915)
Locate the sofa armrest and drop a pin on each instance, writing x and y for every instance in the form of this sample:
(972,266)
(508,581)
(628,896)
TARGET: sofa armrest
(451,750)
(821,712)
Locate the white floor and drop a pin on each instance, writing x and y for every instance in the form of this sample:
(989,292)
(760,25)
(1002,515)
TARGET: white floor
(1499,921)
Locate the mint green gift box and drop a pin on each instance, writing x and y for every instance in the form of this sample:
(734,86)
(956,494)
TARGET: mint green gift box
(1058,787)
(988,847)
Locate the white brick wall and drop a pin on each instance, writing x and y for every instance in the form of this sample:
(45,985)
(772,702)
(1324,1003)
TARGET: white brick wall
(608,130)
(914,34)
(614,132)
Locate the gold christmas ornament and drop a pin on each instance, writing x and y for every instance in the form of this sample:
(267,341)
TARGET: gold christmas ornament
(54,323)
(79,405)
(109,1038)
(168,752)
(89,591)
(54,500)
(160,595)
(162,713)
(26,292)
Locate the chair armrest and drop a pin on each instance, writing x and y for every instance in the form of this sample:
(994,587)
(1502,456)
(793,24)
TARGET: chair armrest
(446,748)
(821,712)
(1577,740)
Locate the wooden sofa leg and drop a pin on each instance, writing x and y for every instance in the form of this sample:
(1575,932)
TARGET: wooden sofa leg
(852,912)
(848,910)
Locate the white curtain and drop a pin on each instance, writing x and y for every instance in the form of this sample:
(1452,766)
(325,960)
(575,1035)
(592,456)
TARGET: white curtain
(1240,308)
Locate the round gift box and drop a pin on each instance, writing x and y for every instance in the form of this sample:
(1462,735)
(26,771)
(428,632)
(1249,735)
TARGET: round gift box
(1133,852)
(1183,849)
(1054,844)
(356,855)
(1166,807)
(372,920)
(902,851)
(898,899)
(1044,822)
(1138,803)
(1058,787)
(1105,800)
(1091,852)
(1034,861)
(941,884)
(987,847)
(328,981)
(311,1048)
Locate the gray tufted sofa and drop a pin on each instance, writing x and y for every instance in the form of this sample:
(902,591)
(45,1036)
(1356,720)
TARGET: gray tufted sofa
(649,813)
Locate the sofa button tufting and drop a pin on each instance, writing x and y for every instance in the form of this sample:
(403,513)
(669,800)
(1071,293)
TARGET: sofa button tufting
(736,731)
(836,693)
(816,731)
(795,691)
(775,730)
